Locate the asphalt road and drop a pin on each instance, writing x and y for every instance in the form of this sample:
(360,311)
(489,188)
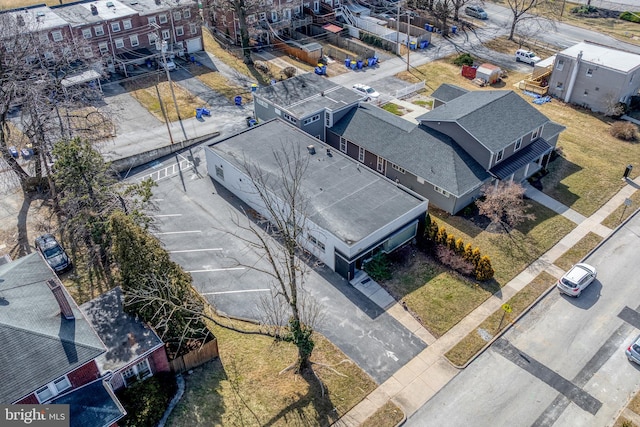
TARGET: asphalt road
(563,364)
(195,223)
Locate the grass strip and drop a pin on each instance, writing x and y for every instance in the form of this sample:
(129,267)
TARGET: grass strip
(578,251)
(388,415)
(622,212)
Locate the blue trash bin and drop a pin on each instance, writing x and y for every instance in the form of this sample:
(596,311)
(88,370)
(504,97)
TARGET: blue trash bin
(238,100)
(413,45)
(252,122)
(198,113)
(254,87)
(347,62)
(424,44)
(13,152)
(454,29)
(206,112)
(359,64)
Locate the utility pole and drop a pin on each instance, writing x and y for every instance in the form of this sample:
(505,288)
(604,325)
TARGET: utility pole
(173,94)
(408,38)
(398,30)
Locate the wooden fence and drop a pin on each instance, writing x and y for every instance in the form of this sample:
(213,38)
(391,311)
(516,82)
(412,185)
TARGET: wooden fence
(310,58)
(195,358)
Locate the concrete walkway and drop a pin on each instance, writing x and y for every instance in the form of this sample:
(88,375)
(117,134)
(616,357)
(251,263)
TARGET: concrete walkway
(422,377)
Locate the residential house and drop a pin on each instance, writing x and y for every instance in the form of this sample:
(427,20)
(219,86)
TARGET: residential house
(134,351)
(308,101)
(446,92)
(595,76)
(49,350)
(352,212)
(472,139)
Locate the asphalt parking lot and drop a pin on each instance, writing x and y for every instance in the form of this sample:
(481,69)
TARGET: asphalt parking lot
(194,221)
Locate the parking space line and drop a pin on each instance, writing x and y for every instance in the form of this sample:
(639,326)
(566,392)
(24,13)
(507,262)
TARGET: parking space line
(235,292)
(179,232)
(165,215)
(216,269)
(194,250)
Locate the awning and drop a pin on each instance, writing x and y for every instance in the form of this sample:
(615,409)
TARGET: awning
(521,158)
(332,28)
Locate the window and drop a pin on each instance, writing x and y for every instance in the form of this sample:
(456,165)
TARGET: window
(119,43)
(99,30)
(297,10)
(162,19)
(152,20)
(499,155)
(291,119)
(535,134)
(86,33)
(103,48)
(136,372)
(274,15)
(179,31)
(43,37)
(177,16)
(316,242)
(398,168)
(589,72)
(343,145)
(193,29)
(586,93)
(186,14)
(87,51)
(220,172)
(311,119)
(559,85)
(115,27)
(126,24)
(52,389)
(48,55)
(328,119)
(380,166)
(166,35)
(441,191)
(263,16)
(57,36)
(152,38)
(560,64)
(361,154)
(519,143)
(134,40)
(287,13)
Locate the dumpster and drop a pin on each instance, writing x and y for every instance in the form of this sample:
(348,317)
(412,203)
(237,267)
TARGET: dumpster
(238,100)
(454,29)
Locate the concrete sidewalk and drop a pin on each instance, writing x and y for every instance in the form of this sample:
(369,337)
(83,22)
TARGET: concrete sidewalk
(422,377)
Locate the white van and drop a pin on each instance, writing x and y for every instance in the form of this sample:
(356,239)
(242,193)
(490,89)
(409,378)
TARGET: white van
(526,56)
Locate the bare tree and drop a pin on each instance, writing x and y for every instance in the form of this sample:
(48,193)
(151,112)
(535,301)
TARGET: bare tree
(441,10)
(504,205)
(519,9)
(456,6)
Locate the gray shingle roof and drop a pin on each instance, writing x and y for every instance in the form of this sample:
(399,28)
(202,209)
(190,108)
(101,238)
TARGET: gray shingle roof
(496,118)
(38,344)
(447,92)
(551,129)
(302,95)
(422,151)
(126,337)
(92,405)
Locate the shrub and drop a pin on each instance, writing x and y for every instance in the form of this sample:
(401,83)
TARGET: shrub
(378,268)
(451,242)
(484,270)
(468,253)
(463,59)
(626,131)
(475,256)
(584,10)
(631,17)
(449,258)
(146,401)
(441,237)
(289,72)
(460,247)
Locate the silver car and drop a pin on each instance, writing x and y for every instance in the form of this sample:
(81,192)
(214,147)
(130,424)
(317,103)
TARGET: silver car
(633,352)
(576,279)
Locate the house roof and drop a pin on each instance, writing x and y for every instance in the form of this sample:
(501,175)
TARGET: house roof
(307,94)
(422,151)
(495,118)
(551,129)
(605,56)
(79,14)
(347,200)
(126,337)
(35,18)
(527,154)
(93,405)
(446,92)
(38,344)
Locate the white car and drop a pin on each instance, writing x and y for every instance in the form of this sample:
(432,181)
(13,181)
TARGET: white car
(170,65)
(368,91)
(577,279)
(527,57)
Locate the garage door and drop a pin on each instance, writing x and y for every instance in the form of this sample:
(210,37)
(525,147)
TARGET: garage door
(194,45)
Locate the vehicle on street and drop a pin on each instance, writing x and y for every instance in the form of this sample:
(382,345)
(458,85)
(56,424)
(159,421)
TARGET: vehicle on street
(633,352)
(527,56)
(476,12)
(368,91)
(576,279)
(53,253)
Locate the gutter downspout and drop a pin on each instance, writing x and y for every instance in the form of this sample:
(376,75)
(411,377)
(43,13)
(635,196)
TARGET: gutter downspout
(572,81)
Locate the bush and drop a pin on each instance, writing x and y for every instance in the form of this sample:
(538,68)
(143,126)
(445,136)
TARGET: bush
(442,235)
(146,401)
(584,10)
(463,59)
(631,17)
(626,131)
(378,268)
(289,72)
(484,270)
(449,258)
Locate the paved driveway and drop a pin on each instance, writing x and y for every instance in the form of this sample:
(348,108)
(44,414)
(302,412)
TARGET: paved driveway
(196,227)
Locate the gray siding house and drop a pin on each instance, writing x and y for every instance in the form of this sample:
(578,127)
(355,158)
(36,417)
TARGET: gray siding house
(308,101)
(595,76)
(473,138)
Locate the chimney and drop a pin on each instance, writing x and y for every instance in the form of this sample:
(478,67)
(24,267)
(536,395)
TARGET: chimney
(94,9)
(58,293)
(312,149)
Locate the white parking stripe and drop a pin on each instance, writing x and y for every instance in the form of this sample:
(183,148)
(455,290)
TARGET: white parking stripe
(194,250)
(216,269)
(166,215)
(180,232)
(235,292)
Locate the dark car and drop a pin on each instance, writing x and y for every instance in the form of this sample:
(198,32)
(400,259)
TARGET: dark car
(56,257)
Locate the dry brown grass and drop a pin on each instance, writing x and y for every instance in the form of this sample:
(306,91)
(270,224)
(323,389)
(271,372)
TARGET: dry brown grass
(578,251)
(388,415)
(504,45)
(144,91)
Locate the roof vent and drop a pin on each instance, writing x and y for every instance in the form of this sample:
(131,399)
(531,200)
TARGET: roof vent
(312,149)
(94,9)
(329,152)
(58,293)
(20,20)
(110,4)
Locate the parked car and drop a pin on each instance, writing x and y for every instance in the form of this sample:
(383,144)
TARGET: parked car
(526,56)
(368,91)
(170,65)
(56,257)
(476,12)
(633,352)
(576,279)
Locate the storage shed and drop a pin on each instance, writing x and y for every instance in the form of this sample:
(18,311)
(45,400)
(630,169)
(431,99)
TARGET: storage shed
(489,73)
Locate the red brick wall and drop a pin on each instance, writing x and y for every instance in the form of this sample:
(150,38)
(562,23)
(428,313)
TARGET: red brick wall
(159,361)
(29,400)
(84,374)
